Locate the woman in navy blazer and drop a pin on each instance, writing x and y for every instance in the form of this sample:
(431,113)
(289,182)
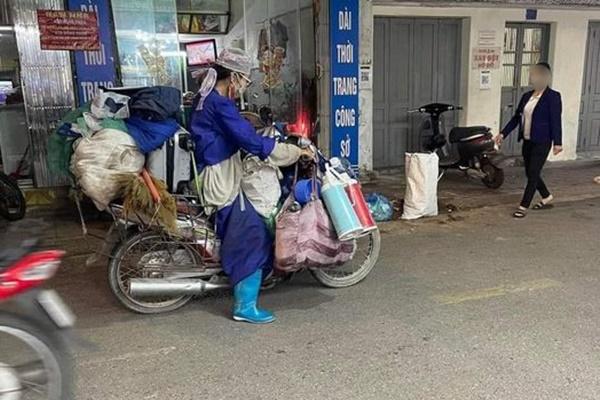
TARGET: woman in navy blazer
(539,120)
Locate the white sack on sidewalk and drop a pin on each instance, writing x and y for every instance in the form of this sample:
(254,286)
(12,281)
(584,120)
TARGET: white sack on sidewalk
(100,162)
(420,199)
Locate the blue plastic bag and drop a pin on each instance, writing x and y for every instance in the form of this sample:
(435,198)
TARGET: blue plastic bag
(151,135)
(381,208)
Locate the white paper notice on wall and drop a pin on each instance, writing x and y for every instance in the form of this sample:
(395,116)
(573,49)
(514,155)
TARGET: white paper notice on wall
(487,38)
(365,77)
(485,80)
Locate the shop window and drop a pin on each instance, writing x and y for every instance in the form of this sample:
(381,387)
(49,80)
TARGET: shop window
(146,32)
(281,38)
(278,35)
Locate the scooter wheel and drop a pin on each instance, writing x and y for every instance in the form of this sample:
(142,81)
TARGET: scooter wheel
(39,344)
(494,176)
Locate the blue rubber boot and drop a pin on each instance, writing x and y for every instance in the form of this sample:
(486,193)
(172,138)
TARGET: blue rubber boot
(245,295)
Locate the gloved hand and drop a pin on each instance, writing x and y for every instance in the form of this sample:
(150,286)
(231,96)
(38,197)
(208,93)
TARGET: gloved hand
(307,154)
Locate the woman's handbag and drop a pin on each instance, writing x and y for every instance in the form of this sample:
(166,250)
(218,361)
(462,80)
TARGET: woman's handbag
(305,237)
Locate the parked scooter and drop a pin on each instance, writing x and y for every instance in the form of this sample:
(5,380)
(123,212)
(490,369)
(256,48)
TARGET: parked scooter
(34,360)
(12,201)
(468,149)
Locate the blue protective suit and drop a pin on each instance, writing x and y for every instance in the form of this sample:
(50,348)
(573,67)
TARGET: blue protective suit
(219,132)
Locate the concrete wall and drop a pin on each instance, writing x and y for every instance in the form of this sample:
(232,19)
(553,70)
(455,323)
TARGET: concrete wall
(365,98)
(482,107)
(324,74)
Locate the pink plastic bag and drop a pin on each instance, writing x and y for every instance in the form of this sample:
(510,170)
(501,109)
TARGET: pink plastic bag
(306,238)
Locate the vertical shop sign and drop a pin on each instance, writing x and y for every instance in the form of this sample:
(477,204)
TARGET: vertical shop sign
(343,37)
(95,68)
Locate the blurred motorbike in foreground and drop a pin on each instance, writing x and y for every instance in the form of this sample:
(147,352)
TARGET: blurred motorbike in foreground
(34,361)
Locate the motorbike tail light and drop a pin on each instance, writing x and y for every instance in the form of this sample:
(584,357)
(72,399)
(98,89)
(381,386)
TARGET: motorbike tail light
(40,272)
(301,127)
(30,271)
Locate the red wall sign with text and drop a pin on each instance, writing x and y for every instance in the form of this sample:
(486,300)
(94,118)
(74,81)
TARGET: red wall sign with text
(68,30)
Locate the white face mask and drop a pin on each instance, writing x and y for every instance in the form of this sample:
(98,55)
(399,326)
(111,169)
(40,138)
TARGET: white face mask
(239,83)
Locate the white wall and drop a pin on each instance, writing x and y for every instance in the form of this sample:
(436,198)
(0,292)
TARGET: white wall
(482,107)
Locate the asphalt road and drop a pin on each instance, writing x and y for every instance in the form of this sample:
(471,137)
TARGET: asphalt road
(474,305)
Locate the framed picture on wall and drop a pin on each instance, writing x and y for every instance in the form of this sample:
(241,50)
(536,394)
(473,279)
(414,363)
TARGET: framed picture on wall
(183,23)
(198,23)
(205,6)
(202,52)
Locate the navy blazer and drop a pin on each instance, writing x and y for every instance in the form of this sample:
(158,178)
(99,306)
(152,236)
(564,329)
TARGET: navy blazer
(546,123)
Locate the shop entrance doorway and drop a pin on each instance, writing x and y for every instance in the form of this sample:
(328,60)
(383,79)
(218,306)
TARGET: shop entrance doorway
(588,139)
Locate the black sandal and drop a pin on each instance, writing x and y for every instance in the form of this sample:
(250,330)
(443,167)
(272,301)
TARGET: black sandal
(520,214)
(543,206)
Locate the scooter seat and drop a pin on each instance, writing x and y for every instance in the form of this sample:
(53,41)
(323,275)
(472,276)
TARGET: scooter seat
(468,133)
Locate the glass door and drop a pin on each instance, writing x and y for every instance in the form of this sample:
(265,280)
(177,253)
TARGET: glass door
(524,46)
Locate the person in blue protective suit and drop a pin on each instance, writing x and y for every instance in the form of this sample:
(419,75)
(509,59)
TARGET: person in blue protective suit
(221,135)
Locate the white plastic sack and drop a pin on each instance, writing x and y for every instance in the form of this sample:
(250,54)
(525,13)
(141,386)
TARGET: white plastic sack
(110,105)
(92,123)
(260,184)
(99,163)
(420,199)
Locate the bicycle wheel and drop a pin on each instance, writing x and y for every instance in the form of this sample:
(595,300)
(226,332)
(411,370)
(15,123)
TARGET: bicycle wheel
(357,269)
(140,257)
(12,202)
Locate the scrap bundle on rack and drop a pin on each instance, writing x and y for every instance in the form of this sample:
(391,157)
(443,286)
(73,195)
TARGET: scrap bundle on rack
(146,195)
(103,146)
